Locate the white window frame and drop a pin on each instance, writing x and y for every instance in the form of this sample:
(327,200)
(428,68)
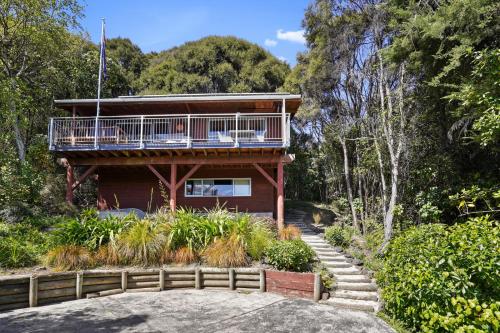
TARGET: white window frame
(216,196)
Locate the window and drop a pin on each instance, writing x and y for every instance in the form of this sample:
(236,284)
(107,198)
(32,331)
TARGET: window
(218,187)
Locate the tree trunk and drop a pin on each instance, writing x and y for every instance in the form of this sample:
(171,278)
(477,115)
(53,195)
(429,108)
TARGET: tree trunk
(21,148)
(348,184)
(382,178)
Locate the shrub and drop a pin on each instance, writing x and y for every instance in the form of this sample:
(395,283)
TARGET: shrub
(226,252)
(294,255)
(21,245)
(69,257)
(338,236)
(90,231)
(289,232)
(259,240)
(437,278)
(141,244)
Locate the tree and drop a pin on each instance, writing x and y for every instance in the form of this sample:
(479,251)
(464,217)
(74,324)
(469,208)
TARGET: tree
(32,38)
(129,57)
(213,65)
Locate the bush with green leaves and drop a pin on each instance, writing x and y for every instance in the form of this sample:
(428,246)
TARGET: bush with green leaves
(88,230)
(291,255)
(444,279)
(339,236)
(21,245)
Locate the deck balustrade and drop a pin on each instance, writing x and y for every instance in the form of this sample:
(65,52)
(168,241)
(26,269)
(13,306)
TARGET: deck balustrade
(170,132)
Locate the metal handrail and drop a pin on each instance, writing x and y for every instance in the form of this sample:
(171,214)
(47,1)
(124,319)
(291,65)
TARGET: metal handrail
(169,131)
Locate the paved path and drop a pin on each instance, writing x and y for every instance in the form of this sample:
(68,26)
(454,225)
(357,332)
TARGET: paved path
(353,289)
(190,310)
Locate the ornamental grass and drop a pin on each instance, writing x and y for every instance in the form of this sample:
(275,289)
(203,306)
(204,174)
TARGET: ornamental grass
(69,257)
(226,252)
(289,232)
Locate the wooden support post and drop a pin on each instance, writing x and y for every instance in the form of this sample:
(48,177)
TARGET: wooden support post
(160,177)
(124,280)
(83,177)
(281,198)
(232,280)
(79,285)
(173,187)
(317,287)
(262,281)
(33,291)
(70,179)
(186,177)
(162,279)
(197,278)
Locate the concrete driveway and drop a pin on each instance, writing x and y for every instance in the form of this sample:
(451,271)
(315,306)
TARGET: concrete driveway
(190,311)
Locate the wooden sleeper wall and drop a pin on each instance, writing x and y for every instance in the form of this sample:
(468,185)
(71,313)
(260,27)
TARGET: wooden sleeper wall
(30,291)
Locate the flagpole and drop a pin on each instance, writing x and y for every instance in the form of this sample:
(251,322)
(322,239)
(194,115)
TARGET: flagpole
(99,86)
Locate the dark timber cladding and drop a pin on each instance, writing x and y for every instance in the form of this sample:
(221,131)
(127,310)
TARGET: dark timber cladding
(199,149)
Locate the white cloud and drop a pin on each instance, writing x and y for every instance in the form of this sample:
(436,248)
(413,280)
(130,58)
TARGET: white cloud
(270,42)
(291,36)
(283,59)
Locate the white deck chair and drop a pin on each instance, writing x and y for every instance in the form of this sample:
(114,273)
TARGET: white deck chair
(261,137)
(224,138)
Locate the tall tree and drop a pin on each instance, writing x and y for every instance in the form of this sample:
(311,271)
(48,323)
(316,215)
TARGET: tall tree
(32,37)
(212,65)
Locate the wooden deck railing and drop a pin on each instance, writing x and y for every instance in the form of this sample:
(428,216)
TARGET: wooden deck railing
(170,131)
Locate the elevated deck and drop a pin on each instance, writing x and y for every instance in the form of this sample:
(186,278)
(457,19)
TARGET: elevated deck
(170,132)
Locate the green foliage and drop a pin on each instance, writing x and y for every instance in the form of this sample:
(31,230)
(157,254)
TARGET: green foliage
(259,239)
(89,230)
(438,278)
(142,244)
(294,255)
(213,65)
(21,245)
(339,236)
(476,198)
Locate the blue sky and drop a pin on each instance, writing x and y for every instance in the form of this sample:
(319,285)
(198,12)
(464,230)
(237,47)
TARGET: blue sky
(159,25)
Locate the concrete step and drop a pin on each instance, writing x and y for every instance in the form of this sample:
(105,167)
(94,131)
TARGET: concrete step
(358,295)
(326,258)
(353,278)
(345,271)
(336,264)
(321,246)
(353,304)
(356,286)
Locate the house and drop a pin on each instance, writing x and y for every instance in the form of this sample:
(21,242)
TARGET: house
(199,149)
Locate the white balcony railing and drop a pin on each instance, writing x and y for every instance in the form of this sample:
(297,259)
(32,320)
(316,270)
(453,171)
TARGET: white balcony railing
(170,131)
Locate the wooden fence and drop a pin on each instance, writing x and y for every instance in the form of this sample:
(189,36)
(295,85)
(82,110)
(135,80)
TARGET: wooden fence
(41,289)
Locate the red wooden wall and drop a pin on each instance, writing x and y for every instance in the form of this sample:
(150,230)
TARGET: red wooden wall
(138,187)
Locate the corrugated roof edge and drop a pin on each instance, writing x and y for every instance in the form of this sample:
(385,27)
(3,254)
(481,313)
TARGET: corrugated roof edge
(183,98)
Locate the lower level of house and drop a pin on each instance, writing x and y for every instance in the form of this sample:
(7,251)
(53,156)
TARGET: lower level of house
(253,183)
(242,189)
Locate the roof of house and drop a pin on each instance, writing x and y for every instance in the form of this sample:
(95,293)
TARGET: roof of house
(164,103)
(182,98)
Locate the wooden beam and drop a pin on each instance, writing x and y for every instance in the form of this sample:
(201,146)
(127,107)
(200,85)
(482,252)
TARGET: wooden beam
(266,175)
(70,178)
(83,177)
(173,187)
(186,177)
(160,177)
(281,198)
(183,160)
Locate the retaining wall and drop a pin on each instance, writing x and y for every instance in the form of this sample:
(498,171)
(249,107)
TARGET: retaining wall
(41,289)
(306,285)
